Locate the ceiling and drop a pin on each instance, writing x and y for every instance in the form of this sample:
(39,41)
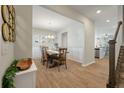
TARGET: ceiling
(108,12)
(49,20)
(46,19)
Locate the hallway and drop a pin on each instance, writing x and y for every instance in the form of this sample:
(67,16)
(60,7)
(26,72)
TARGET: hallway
(92,76)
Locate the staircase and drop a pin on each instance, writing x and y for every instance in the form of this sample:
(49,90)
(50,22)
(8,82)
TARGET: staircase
(116,72)
(120,69)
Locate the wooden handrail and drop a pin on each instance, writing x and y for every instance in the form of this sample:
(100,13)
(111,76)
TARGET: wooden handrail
(112,79)
(117,30)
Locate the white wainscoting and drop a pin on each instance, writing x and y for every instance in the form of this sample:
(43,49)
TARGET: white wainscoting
(36,52)
(76,54)
(84,65)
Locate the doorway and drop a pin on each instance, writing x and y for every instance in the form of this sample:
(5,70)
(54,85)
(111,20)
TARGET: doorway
(64,40)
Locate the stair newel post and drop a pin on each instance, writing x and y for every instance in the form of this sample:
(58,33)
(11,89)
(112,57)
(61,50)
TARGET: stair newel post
(111,81)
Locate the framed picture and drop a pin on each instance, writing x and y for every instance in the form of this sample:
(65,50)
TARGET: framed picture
(5,13)
(8,27)
(13,36)
(10,35)
(11,10)
(5,31)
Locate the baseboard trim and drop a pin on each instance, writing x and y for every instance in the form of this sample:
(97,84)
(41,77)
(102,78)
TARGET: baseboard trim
(74,60)
(84,65)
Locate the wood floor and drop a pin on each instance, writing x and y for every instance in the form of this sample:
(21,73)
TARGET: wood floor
(76,76)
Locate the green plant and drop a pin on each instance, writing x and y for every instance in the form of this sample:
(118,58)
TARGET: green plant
(10,73)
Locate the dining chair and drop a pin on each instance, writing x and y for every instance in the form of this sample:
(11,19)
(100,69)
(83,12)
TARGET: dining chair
(44,55)
(61,58)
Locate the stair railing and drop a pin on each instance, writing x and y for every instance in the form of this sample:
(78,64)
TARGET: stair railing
(112,79)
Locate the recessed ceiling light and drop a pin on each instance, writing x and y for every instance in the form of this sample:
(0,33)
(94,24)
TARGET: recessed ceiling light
(107,21)
(98,11)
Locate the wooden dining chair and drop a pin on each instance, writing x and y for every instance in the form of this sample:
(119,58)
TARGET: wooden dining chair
(44,55)
(61,58)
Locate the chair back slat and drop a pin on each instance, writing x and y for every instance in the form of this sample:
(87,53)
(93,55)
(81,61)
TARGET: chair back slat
(44,53)
(62,53)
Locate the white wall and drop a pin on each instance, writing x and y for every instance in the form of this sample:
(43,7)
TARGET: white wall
(6,53)
(101,32)
(88,25)
(120,35)
(75,41)
(38,35)
(89,42)
(23,44)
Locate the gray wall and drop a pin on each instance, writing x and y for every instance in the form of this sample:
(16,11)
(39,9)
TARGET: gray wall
(23,44)
(6,53)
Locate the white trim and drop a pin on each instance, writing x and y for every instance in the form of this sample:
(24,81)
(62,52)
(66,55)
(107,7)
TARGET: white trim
(79,61)
(84,65)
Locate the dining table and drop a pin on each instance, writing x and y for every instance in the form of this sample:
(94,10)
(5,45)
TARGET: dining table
(52,52)
(51,55)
